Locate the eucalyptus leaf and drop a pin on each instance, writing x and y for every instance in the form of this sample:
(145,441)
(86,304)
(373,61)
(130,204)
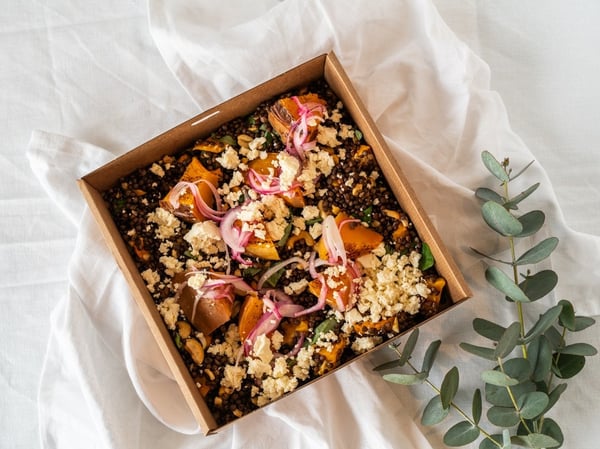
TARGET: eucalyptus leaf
(532,222)
(490,257)
(554,338)
(539,252)
(554,396)
(498,378)
(567,365)
(552,429)
(533,404)
(500,220)
(460,434)
(540,355)
(405,379)
(503,416)
(476,406)
(487,442)
(547,319)
(430,355)
(506,444)
(583,349)
(449,387)
(567,316)
(488,329)
(508,341)
(499,280)
(513,202)
(434,412)
(483,193)
(583,322)
(494,167)
(517,368)
(536,441)
(409,347)
(496,395)
(480,351)
(539,285)
(521,171)
(387,365)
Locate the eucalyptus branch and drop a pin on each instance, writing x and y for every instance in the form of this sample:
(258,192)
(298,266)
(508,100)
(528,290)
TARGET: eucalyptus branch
(519,391)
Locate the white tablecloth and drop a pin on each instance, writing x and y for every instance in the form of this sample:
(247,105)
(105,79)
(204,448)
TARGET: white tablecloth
(94,72)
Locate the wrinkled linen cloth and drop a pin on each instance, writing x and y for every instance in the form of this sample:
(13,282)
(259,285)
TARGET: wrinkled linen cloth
(104,382)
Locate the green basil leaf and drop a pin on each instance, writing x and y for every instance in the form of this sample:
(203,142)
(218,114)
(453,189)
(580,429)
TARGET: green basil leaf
(427,261)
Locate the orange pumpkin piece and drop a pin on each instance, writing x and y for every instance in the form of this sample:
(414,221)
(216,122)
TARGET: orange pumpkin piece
(210,145)
(285,112)
(187,210)
(264,166)
(436,285)
(331,356)
(358,239)
(292,328)
(370,328)
(342,289)
(263,249)
(250,313)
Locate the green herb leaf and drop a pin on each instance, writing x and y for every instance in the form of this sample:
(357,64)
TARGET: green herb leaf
(532,222)
(367,215)
(312,221)
(567,315)
(324,326)
(536,441)
(460,434)
(178,341)
(488,329)
(498,378)
(427,261)
(494,166)
(540,356)
(274,278)
(583,322)
(533,404)
(518,368)
(554,338)
(486,353)
(430,355)
(568,365)
(506,444)
(503,416)
(228,140)
(477,406)
(508,341)
(250,273)
(405,379)
(483,193)
(500,220)
(583,349)
(547,319)
(506,285)
(539,252)
(513,202)
(449,387)
(409,347)
(286,235)
(434,412)
(552,429)
(358,134)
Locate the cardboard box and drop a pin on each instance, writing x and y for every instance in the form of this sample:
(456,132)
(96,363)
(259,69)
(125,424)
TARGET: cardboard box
(184,135)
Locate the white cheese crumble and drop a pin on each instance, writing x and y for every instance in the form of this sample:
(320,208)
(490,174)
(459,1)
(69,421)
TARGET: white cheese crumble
(168,224)
(229,158)
(233,376)
(364,344)
(289,166)
(169,310)
(151,277)
(205,237)
(328,136)
(295,288)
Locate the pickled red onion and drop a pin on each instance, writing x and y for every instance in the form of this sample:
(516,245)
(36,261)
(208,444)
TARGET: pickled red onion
(205,209)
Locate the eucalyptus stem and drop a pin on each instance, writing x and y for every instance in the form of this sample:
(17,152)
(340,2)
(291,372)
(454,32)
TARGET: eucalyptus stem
(513,400)
(513,256)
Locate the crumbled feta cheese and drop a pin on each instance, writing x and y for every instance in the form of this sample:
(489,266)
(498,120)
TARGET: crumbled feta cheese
(168,224)
(346,131)
(151,277)
(364,344)
(295,288)
(205,237)
(310,212)
(233,376)
(327,136)
(169,310)
(289,169)
(229,158)
(171,264)
(316,230)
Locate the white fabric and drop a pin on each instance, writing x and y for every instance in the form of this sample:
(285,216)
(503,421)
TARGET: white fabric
(95,74)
